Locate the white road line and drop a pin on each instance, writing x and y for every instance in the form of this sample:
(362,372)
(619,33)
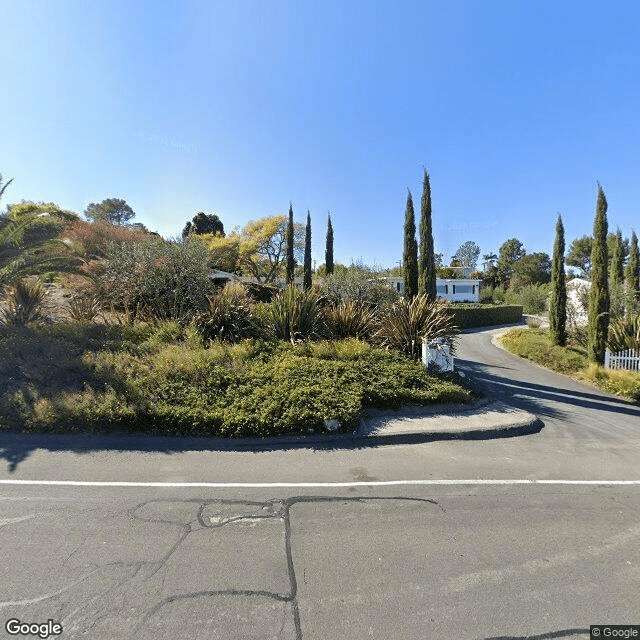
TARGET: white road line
(314,485)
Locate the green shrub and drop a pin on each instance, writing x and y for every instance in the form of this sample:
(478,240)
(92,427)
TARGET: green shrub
(533,298)
(23,302)
(161,279)
(624,333)
(468,316)
(359,282)
(147,379)
(229,317)
(294,315)
(350,319)
(407,322)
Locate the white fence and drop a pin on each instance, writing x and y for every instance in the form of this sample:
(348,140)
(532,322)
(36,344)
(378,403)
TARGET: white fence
(628,359)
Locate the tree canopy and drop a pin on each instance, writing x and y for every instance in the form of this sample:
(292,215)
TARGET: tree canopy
(579,255)
(258,249)
(111,210)
(203,223)
(532,268)
(467,255)
(511,251)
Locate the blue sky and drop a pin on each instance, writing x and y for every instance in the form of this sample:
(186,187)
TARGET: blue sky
(236,108)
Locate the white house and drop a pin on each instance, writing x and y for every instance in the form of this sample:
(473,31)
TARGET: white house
(578,301)
(454,289)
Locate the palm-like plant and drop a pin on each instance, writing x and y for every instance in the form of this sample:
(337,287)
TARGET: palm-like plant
(295,315)
(404,325)
(624,333)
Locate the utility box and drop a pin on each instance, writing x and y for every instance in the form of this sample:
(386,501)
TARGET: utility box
(437,354)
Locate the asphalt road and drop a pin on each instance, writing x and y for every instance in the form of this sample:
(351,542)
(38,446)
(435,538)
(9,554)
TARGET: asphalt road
(534,536)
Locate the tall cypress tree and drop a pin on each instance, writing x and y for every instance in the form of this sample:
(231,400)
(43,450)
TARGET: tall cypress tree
(558,302)
(291,265)
(426,261)
(632,274)
(410,253)
(307,253)
(616,268)
(598,326)
(328,254)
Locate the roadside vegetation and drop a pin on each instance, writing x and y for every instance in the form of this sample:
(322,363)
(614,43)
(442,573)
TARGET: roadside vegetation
(162,380)
(535,344)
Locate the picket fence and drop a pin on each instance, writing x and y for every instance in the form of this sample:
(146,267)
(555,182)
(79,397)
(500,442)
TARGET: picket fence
(628,359)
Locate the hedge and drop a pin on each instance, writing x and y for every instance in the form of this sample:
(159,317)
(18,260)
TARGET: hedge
(466,317)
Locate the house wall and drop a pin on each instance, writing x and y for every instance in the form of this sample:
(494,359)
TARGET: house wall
(454,289)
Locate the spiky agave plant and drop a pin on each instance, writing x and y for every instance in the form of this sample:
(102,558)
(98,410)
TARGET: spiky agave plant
(22,303)
(295,315)
(351,319)
(407,322)
(229,317)
(624,333)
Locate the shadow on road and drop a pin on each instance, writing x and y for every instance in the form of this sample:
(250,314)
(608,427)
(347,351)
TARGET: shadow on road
(534,397)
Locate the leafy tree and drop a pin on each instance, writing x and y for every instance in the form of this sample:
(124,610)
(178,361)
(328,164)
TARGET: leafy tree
(558,301)
(410,253)
(426,261)
(616,251)
(111,210)
(579,255)
(307,253)
(203,223)
(632,272)
(328,254)
(598,325)
(510,253)
(258,249)
(467,255)
(291,263)
(532,268)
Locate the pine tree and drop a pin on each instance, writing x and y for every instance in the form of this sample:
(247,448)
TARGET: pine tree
(558,302)
(632,274)
(410,254)
(307,253)
(328,254)
(616,268)
(291,265)
(426,262)
(598,326)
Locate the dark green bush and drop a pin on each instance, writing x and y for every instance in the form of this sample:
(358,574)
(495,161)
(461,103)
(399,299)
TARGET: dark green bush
(469,316)
(229,317)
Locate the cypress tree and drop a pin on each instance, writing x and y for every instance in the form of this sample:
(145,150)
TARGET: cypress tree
(632,275)
(328,254)
(291,265)
(410,254)
(307,253)
(426,262)
(558,302)
(616,268)
(598,326)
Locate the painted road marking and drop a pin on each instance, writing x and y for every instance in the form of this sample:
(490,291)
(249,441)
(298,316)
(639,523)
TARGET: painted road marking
(314,485)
